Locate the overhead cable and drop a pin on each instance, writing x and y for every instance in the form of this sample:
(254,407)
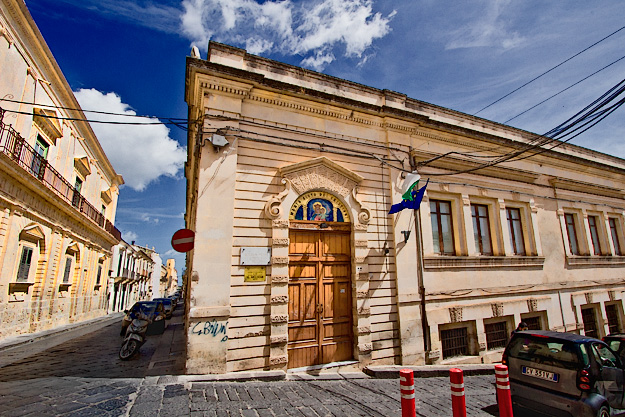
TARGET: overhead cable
(549,70)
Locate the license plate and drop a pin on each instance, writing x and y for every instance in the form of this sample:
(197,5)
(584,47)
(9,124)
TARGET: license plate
(539,373)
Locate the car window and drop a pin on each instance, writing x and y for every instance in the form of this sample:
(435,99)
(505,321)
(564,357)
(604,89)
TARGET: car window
(614,345)
(564,353)
(585,357)
(604,355)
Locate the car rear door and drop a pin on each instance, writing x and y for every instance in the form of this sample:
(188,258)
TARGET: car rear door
(610,380)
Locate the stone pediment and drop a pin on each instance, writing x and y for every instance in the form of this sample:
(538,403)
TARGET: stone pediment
(321,173)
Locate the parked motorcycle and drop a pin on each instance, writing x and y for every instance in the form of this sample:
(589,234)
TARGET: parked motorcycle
(136,332)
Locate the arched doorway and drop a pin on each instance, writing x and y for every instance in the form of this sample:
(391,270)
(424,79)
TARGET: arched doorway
(319,288)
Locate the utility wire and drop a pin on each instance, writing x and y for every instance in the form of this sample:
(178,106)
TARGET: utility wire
(567,88)
(90,111)
(549,70)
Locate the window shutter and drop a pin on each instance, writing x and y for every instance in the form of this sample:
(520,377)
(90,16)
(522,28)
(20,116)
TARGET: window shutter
(68,269)
(24,268)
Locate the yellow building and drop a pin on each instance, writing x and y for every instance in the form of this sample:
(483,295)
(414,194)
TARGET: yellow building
(58,190)
(297,263)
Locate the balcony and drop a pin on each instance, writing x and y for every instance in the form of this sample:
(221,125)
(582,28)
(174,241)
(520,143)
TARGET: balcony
(13,145)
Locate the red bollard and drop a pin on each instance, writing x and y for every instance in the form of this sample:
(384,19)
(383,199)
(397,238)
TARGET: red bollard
(406,385)
(504,398)
(458,404)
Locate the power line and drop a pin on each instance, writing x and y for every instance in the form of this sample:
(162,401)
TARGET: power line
(90,111)
(170,122)
(549,70)
(567,88)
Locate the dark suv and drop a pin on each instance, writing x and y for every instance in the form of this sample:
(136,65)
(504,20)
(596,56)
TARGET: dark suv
(563,374)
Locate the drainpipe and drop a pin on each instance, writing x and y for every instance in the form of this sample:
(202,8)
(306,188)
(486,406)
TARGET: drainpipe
(562,310)
(424,318)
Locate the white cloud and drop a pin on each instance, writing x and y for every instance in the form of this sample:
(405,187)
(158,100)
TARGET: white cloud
(312,29)
(487,29)
(140,153)
(129,236)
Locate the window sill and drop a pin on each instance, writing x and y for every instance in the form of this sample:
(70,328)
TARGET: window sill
(64,287)
(582,261)
(482,262)
(15,287)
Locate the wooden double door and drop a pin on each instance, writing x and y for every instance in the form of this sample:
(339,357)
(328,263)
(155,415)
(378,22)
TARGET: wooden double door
(320,297)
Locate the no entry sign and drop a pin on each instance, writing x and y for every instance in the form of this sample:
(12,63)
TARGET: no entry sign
(182,240)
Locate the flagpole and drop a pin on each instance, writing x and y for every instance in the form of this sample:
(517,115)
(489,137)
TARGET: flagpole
(419,238)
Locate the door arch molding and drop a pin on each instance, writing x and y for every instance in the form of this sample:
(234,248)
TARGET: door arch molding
(323,175)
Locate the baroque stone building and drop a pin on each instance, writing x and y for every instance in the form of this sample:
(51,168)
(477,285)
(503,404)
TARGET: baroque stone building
(297,263)
(58,190)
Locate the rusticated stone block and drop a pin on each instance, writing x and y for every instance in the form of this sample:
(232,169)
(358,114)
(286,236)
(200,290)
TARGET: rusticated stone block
(360,259)
(361,243)
(279,299)
(280,242)
(279,318)
(364,311)
(362,293)
(279,340)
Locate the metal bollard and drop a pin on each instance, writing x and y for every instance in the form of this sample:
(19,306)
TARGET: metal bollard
(458,404)
(503,391)
(406,385)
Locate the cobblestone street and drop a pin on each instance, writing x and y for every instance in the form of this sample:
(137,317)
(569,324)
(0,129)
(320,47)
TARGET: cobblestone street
(84,377)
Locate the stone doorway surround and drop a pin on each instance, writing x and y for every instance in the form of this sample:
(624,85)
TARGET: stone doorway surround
(318,174)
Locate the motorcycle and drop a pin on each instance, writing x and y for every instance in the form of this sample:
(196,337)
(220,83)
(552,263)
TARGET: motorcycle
(136,332)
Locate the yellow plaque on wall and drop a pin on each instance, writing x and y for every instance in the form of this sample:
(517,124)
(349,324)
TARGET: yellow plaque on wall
(255,274)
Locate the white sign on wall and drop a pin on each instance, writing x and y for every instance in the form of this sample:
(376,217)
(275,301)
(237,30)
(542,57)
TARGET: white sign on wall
(255,256)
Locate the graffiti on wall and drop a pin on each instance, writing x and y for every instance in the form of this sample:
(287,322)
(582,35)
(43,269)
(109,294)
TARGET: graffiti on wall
(211,328)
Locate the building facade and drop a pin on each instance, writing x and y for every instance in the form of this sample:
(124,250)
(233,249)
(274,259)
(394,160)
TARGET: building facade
(58,190)
(297,263)
(132,275)
(169,279)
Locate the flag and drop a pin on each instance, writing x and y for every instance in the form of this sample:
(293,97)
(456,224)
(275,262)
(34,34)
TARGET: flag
(412,203)
(408,194)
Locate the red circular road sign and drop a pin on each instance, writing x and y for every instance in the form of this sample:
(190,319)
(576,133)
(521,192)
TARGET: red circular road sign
(182,240)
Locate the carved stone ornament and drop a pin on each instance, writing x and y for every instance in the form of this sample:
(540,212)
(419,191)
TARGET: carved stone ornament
(279,318)
(612,295)
(364,330)
(321,174)
(361,243)
(588,296)
(279,299)
(482,346)
(279,279)
(278,340)
(281,224)
(364,348)
(364,311)
(278,360)
(455,314)
(497,309)
(273,208)
(532,304)
(280,242)
(280,260)
(362,293)
(364,216)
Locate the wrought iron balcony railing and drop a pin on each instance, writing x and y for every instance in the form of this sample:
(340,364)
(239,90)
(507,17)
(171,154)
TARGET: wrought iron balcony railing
(15,147)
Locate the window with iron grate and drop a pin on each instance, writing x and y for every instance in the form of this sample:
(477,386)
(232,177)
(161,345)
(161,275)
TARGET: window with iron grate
(496,335)
(455,342)
(590,322)
(614,323)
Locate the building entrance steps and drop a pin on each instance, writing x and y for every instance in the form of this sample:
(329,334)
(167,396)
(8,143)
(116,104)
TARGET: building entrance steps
(15,348)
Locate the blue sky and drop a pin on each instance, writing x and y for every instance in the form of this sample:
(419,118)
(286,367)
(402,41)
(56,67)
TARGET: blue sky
(129,57)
